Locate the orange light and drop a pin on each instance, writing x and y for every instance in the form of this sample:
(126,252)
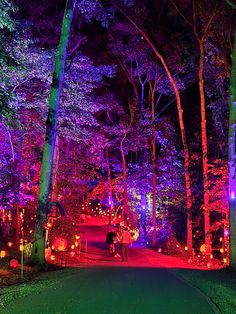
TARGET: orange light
(52,247)
(72,253)
(186,248)
(208,265)
(225,260)
(53,257)
(211,256)
(10,244)
(72,246)
(76,243)
(21,247)
(221,250)
(177,245)
(2,253)
(77,237)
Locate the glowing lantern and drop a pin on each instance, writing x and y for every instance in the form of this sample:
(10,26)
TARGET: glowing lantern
(77,237)
(76,243)
(226,232)
(60,244)
(203,248)
(48,225)
(186,248)
(13,263)
(10,244)
(21,247)
(53,257)
(2,253)
(72,253)
(221,250)
(211,256)
(72,246)
(225,260)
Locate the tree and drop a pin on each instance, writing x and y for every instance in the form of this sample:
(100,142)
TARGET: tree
(38,254)
(232,151)
(181,122)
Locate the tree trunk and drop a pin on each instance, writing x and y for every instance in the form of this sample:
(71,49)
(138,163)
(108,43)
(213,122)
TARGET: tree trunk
(154,178)
(38,251)
(182,129)
(204,149)
(232,157)
(54,195)
(125,204)
(110,200)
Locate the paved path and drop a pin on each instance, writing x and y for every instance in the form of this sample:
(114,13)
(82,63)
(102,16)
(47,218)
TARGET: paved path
(101,284)
(116,290)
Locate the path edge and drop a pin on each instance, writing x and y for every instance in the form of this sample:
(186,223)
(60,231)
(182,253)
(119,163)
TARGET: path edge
(209,300)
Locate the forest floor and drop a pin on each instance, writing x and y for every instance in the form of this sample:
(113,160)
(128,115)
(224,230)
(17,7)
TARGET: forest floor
(219,286)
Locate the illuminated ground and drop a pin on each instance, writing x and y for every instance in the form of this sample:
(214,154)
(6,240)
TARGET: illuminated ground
(116,291)
(145,284)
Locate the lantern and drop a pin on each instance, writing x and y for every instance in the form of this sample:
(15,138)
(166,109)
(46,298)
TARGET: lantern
(60,244)
(13,263)
(53,258)
(2,253)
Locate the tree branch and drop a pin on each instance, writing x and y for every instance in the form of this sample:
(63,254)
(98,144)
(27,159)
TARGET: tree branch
(231,4)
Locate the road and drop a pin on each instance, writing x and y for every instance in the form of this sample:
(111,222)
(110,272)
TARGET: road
(146,284)
(116,290)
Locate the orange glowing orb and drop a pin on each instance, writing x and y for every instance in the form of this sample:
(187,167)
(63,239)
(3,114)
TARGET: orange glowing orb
(60,244)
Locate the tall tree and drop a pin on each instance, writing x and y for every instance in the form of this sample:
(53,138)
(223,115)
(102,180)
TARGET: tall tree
(201,38)
(38,251)
(181,123)
(232,150)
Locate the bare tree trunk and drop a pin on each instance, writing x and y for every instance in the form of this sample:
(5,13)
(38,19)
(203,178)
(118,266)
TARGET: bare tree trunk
(204,150)
(38,250)
(110,200)
(232,157)
(125,204)
(154,178)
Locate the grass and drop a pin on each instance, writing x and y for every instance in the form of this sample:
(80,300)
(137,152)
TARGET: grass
(12,287)
(218,285)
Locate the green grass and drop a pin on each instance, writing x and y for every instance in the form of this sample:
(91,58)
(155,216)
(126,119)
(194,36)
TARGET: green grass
(218,285)
(42,281)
